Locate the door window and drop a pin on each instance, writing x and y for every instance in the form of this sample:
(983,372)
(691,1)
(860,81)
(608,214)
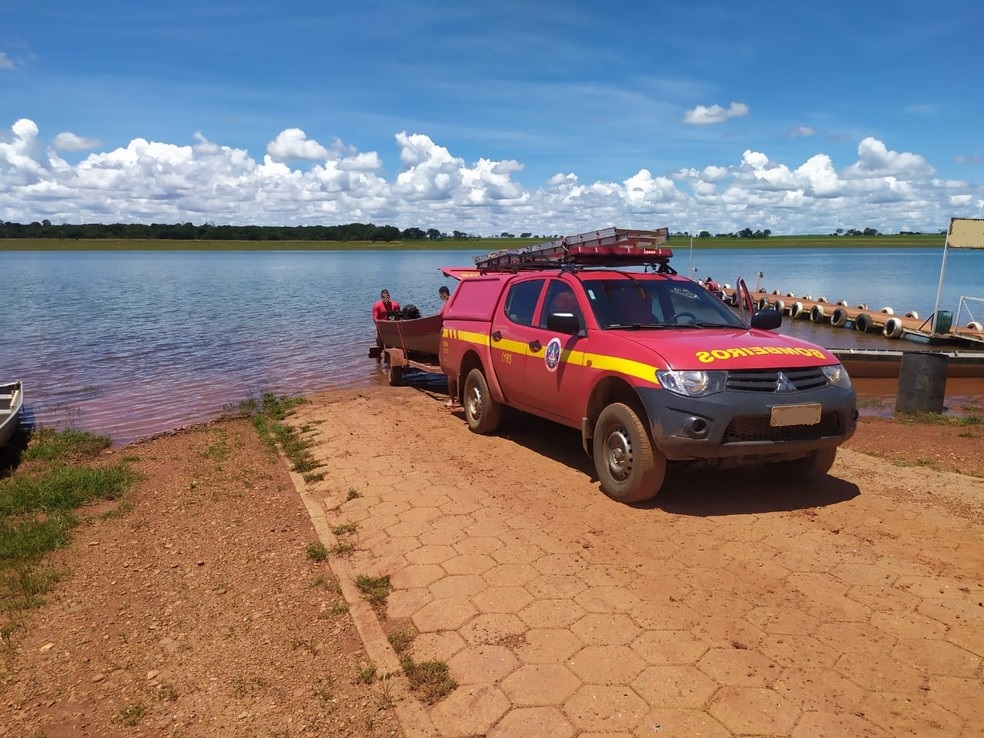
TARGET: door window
(521,301)
(560,299)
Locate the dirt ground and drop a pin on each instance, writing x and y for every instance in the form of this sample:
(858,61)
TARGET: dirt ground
(731,605)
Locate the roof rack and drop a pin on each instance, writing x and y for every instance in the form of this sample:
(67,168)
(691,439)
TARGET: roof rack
(609,247)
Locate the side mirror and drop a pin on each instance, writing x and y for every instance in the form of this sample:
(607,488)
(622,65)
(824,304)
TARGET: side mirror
(563,323)
(767,320)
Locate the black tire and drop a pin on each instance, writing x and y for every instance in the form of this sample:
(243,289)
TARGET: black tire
(811,467)
(395,374)
(628,467)
(481,411)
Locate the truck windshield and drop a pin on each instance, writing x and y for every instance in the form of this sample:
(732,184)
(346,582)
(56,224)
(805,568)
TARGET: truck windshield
(648,303)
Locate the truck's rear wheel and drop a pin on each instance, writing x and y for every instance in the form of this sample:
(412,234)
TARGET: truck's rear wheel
(481,411)
(628,467)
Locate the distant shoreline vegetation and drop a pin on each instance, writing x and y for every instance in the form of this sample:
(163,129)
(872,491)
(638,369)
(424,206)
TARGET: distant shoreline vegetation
(366,236)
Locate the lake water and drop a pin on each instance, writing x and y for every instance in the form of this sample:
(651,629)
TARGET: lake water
(136,343)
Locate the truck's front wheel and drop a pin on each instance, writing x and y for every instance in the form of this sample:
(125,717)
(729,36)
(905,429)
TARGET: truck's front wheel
(628,467)
(481,411)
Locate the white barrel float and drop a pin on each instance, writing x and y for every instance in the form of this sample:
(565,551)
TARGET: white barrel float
(912,314)
(821,299)
(838,317)
(892,328)
(796,309)
(862,306)
(888,311)
(763,303)
(790,294)
(922,382)
(842,303)
(779,305)
(975,326)
(816,314)
(863,323)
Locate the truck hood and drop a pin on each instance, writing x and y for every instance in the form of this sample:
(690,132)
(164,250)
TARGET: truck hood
(696,348)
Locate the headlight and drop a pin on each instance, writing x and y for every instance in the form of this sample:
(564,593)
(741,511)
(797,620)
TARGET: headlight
(837,375)
(692,383)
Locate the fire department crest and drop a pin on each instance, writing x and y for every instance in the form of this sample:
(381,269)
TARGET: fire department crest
(552,356)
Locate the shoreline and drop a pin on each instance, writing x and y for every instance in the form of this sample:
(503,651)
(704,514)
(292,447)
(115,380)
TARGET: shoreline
(913,241)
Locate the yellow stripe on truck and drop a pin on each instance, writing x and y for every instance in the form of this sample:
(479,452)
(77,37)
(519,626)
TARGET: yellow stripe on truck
(637,369)
(645,372)
(482,339)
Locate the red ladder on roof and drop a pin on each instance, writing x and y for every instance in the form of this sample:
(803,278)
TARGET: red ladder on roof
(607,247)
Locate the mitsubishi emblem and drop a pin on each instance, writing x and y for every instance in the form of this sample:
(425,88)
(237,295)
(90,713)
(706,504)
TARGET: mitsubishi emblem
(783,384)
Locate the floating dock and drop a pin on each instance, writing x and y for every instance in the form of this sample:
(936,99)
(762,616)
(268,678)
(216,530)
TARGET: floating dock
(908,326)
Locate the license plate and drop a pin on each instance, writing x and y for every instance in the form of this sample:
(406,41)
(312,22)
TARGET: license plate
(783,415)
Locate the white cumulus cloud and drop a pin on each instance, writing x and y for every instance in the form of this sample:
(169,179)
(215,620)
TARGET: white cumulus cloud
(703,115)
(71,142)
(293,143)
(298,181)
(875,160)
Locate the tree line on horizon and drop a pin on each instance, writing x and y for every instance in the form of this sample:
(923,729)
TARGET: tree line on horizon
(347,232)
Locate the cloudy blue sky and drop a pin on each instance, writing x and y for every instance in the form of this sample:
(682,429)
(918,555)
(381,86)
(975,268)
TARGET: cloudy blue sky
(547,116)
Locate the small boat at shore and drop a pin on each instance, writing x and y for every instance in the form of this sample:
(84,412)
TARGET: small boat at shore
(409,342)
(11,402)
(416,336)
(887,363)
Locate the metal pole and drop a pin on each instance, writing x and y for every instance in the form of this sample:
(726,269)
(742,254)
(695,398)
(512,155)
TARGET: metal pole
(939,290)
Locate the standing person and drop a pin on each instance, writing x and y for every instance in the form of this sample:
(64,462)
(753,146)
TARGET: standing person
(445,294)
(384,307)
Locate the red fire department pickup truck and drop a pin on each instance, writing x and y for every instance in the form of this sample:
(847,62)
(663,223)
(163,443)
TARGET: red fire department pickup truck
(649,365)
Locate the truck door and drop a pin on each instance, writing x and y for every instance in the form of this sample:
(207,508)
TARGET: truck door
(555,370)
(510,339)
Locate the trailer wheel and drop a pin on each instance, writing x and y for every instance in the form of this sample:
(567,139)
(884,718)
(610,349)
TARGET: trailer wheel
(628,467)
(395,374)
(481,411)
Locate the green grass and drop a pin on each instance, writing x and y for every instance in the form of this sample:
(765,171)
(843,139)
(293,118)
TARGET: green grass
(38,509)
(374,589)
(344,528)
(67,446)
(317,551)
(366,673)
(430,679)
(268,414)
(131,715)
(401,639)
(930,418)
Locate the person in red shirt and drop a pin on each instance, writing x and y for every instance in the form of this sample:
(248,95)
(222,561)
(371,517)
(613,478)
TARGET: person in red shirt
(384,307)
